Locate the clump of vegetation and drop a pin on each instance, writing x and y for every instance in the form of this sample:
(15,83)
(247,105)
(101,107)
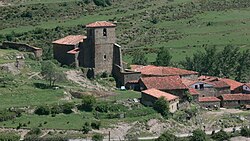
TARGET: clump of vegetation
(163,57)
(88,103)
(245,131)
(42,110)
(167,137)
(86,128)
(97,137)
(162,106)
(9,137)
(8,115)
(220,136)
(199,135)
(103,3)
(139,58)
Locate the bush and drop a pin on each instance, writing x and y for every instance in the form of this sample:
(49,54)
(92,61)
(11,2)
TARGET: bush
(162,107)
(220,136)
(35,131)
(199,135)
(56,109)
(103,3)
(88,103)
(96,125)
(245,131)
(8,115)
(166,137)
(42,110)
(86,128)
(97,137)
(67,108)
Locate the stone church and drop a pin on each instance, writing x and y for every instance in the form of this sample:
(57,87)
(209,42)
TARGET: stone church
(97,52)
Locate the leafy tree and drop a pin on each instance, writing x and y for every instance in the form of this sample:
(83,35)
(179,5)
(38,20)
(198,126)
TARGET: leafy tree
(162,106)
(88,102)
(199,135)
(139,58)
(167,137)
(220,136)
(245,131)
(67,108)
(51,72)
(97,137)
(163,57)
(242,70)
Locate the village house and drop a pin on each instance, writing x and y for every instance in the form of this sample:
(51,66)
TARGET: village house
(194,93)
(209,102)
(98,52)
(148,98)
(169,84)
(235,86)
(153,71)
(246,88)
(234,100)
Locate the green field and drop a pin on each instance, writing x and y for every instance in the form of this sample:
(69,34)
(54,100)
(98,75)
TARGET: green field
(183,26)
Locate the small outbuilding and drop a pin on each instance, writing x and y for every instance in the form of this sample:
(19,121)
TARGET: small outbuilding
(209,102)
(148,98)
(234,100)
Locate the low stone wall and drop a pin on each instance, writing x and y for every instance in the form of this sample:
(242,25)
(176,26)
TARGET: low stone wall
(23,47)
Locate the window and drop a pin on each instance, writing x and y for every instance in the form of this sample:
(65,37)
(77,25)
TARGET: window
(196,86)
(202,86)
(104,32)
(104,57)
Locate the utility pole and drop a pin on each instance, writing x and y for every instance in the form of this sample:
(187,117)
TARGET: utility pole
(109,135)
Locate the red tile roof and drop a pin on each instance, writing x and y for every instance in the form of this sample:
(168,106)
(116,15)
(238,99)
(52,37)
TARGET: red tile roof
(188,82)
(157,94)
(232,83)
(74,51)
(208,99)
(160,70)
(101,24)
(208,78)
(163,83)
(232,97)
(193,91)
(70,40)
(219,84)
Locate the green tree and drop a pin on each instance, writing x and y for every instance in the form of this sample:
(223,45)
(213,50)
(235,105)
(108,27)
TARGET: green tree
(51,73)
(242,70)
(199,135)
(163,57)
(139,58)
(167,137)
(220,136)
(42,110)
(88,102)
(162,107)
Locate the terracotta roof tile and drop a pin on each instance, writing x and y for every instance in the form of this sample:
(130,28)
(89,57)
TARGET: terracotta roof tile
(160,70)
(232,97)
(164,83)
(193,91)
(74,51)
(209,99)
(247,84)
(101,24)
(219,84)
(188,82)
(157,94)
(207,78)
(232,83)
(70,40)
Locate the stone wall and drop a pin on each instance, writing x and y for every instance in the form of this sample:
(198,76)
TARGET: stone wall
(61,55)
(234,103)
(209,104)
(38,52)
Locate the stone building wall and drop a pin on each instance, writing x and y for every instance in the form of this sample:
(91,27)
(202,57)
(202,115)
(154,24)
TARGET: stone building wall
(61,55)
(234,103)
(38,52)
(210,104)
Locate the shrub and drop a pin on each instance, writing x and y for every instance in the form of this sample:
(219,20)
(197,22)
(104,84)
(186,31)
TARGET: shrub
(245,131)
(166,137)
(67,108)
(162,107)
(35,131)
(86,128)
(96,125)
(56,109)
(220,136)
(97,137)
(199,135)
(88,102)
(42,110)
(103,3)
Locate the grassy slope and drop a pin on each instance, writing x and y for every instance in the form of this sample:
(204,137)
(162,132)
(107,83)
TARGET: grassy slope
(227,27)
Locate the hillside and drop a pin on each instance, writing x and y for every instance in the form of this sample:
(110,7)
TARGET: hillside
(183,26)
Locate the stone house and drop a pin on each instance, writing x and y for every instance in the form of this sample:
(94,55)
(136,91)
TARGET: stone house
(207,89)
(246,88)
(194,93)
(234,100)
(153,71)
(148,98)
(97,52)
(235,86)
(169,84)
(209,102)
